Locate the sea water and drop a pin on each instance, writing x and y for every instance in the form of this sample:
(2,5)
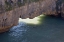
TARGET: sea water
(40,29)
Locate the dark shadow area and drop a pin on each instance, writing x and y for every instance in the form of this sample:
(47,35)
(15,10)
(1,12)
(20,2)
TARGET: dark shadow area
(58,7)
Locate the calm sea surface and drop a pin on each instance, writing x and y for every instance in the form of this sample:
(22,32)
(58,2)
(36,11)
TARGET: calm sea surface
(49,29)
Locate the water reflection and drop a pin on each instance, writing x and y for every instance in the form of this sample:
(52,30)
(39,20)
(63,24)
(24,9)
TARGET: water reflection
(50,29)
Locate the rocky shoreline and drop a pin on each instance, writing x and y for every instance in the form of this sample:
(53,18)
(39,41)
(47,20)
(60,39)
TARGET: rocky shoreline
(47,7)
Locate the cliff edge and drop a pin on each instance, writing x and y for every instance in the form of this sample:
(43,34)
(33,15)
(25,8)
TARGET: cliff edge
(11,10)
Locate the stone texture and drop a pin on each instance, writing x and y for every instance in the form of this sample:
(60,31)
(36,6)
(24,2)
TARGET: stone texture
(34,9)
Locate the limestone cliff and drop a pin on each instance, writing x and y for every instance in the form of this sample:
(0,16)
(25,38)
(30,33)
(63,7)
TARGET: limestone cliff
(29,10)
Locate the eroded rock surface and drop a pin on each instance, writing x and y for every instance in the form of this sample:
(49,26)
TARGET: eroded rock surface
(46,7)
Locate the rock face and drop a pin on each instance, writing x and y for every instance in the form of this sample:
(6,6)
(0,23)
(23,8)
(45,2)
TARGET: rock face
(62,12)
(46,7)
